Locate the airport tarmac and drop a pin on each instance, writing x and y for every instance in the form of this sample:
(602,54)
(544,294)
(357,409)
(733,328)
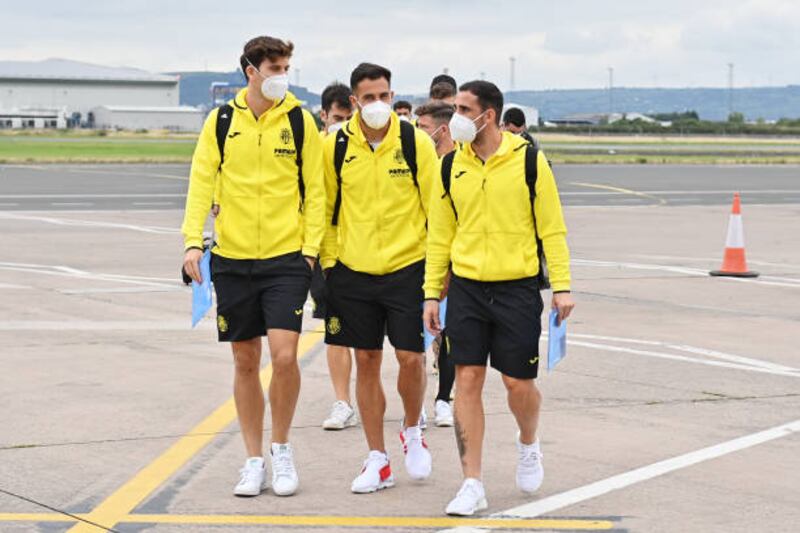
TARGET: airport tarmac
(676,409)
(153,187)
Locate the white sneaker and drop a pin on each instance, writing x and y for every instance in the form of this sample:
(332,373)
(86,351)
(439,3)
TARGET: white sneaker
(444,414)
(342,416)
(284,475)
(253,478)
(418,458)
(470,499)
(530,471)
(376,474)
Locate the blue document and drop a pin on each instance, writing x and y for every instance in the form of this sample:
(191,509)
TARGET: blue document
(442,314)
(201,292)
(556,341)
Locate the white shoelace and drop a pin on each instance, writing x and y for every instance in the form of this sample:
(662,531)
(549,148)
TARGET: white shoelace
(248,475)
(341,411)
(529,456)
(468,489)
(283,465)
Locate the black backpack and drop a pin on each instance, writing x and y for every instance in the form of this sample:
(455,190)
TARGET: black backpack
(407,144)
(224,118)
(531,175)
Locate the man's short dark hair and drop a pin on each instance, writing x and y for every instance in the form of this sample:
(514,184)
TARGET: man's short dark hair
(257,49)
(444,78)
(402,104)
(336,93)
(369,71)
(440,112)
(442,90)
(489,96)
(515,116)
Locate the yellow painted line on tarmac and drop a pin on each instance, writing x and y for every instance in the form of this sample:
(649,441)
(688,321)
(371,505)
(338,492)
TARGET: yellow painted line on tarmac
(36,517)
(122,502)
(370,521)
(419,522)
(660,201)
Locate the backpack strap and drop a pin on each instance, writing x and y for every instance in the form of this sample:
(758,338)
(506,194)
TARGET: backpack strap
(531,175)
(224,119)
(447,171)
(298,134)
(409,147)
(339,151)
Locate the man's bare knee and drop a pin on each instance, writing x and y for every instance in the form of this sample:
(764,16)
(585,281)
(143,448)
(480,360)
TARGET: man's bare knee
(410,360)
(247,356)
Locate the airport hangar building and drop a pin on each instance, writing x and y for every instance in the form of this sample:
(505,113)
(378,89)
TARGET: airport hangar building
(53,92)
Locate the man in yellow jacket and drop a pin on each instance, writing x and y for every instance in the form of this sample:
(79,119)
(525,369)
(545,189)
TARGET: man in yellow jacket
(336,111)
(378,177)
(259,161)
(484,221)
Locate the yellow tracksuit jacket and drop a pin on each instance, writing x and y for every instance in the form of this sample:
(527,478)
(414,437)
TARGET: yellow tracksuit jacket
(257,187)
(382,219)
(493,239)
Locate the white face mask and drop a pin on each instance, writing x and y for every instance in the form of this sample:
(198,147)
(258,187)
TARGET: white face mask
(376,115)
(273,87)
(336,126)
(404,118)
(462,129)
(434,138)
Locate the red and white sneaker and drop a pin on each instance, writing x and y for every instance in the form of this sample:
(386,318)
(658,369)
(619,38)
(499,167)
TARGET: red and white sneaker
(375,475)
(418,458)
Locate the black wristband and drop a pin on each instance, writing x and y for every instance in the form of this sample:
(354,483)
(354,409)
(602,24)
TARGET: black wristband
(562,292)
(432,300)
(193,248)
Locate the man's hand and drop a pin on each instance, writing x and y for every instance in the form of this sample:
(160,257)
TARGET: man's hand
(191,263)
(311,261)
(564,304)
(430,317)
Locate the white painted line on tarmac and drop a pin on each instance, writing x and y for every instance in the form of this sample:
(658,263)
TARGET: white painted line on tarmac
(674,193)
(620,481)
(123,290)
(674,357)
(65,196)
(692,349)
(716,259)
(764,280)
(65,271)
(105,325)
(90,223)
(13,286)
(8,204)
(71,204)
(153,203)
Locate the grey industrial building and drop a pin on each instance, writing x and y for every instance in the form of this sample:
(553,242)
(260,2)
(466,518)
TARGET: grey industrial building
(127,98)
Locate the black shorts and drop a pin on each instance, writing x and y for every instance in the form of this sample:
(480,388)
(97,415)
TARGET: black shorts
(501,318)
(255,295)
(362,307)
(318,292)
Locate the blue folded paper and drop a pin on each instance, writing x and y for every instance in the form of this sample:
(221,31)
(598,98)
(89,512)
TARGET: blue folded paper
(556,341)
(201,292)
(442,313)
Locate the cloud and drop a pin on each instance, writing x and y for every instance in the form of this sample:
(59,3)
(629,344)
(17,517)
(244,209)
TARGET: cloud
(563,44)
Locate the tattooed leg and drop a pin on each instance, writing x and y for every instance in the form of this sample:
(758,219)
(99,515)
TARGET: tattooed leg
(469,420)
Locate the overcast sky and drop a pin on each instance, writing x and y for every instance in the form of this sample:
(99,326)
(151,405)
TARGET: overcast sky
(558,44)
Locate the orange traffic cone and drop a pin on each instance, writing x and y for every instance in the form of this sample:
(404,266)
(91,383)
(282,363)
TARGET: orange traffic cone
(734,263)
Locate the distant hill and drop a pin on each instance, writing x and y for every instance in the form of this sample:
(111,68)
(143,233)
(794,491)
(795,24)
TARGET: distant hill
(195,87)
(769,103)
